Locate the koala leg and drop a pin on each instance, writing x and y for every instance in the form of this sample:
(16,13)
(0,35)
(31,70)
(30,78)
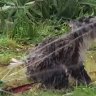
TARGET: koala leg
(80,74)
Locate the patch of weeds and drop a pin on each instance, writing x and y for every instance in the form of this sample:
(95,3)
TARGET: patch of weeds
(48,29)
(38,31)
(9,49)
(8,44)
(79,91)
(5,57)
(43,93)
(84,91)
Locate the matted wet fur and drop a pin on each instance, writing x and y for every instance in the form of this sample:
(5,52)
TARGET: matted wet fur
(57,58)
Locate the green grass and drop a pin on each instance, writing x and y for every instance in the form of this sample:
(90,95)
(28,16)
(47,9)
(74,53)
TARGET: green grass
(85,91)
(15,48)
(9,49)
(79,91)
(43,93)
(36,32)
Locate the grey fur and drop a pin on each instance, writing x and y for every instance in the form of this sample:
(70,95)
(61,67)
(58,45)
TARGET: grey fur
(61,57)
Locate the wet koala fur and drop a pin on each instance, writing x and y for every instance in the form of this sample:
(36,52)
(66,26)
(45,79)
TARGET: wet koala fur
(55,59)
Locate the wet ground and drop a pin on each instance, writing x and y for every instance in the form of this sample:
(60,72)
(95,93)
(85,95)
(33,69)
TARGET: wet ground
(17,76)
